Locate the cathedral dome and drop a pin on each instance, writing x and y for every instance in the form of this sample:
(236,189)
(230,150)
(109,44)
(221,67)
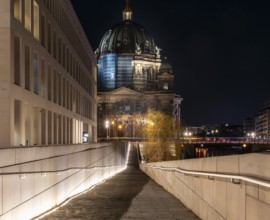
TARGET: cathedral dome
(128,37)
(128,57)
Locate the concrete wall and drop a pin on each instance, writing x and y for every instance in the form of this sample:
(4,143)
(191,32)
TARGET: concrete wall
(219,198)
(36,179)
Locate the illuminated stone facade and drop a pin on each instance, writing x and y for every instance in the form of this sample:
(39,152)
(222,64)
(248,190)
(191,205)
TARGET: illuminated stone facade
(132,78)
(47,75)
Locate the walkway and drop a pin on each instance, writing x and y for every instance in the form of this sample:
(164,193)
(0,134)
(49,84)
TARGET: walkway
(129,195)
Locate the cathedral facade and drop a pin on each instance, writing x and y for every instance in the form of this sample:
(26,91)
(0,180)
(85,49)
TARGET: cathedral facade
(132,78)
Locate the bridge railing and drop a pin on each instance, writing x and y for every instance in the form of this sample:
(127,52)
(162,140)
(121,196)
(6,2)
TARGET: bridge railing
(198,140)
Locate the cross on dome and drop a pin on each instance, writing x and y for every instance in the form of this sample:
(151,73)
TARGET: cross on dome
(127,13)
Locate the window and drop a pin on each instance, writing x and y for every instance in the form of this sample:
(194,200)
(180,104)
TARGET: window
(42,30)
(36,77)
(49,127)
(17,10)
(64,93)
(49,83)
(59,50)
(17,123)
(36,120)
(43,79)
(36,20)
(27,14)
(54,45)
(17,59)
(55,130)
(64,130)
(59,129)
(165,86)
(49,38)
(68,96)
(27,68)
(43,126)
(27,123)
(59,79)
(55,86)
(64,56)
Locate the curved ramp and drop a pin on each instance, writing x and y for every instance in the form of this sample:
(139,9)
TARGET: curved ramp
(129,195)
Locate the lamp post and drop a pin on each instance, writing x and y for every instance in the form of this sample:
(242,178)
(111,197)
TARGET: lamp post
(120,126)
(113,123)
(107,125)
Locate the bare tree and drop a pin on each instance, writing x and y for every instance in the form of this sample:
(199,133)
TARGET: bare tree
(159,131)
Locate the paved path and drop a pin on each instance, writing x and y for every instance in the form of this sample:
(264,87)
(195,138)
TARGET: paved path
(129,195)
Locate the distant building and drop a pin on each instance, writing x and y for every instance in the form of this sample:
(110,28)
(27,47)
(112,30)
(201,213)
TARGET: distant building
(215,130)
(263,121)
(249,126)
(132,78)
(47,75)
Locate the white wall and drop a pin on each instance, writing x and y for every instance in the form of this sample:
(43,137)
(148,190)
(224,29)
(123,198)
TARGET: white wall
(219,198)
(28,188)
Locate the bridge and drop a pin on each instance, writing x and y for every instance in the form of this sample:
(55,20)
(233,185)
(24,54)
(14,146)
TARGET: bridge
(200,140)
(35,180)
(225,140)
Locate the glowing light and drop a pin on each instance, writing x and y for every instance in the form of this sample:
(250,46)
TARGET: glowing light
(128,152)
(85,134)
(187,133)
(244,145)
(107,124)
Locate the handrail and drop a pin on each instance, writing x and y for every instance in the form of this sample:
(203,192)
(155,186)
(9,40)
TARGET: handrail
(56,171)
(233,177)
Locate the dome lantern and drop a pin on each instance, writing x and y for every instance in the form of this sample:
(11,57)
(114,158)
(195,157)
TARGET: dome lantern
(127,13)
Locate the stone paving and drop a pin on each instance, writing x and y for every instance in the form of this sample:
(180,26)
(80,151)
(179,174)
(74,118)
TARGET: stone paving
(129,195)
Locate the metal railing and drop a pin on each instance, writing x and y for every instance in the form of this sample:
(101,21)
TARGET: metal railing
(233,177)
(197,140)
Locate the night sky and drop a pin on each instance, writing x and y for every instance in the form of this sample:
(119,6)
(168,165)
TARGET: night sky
(219,50)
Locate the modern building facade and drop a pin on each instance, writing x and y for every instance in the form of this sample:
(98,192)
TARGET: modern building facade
(132,78)
(262,122)
(249,126)
(47,75)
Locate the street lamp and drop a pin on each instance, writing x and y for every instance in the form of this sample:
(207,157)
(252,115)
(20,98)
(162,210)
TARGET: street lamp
(120,126)
(113,123)
(107,125)
(252,134)
(187,134)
